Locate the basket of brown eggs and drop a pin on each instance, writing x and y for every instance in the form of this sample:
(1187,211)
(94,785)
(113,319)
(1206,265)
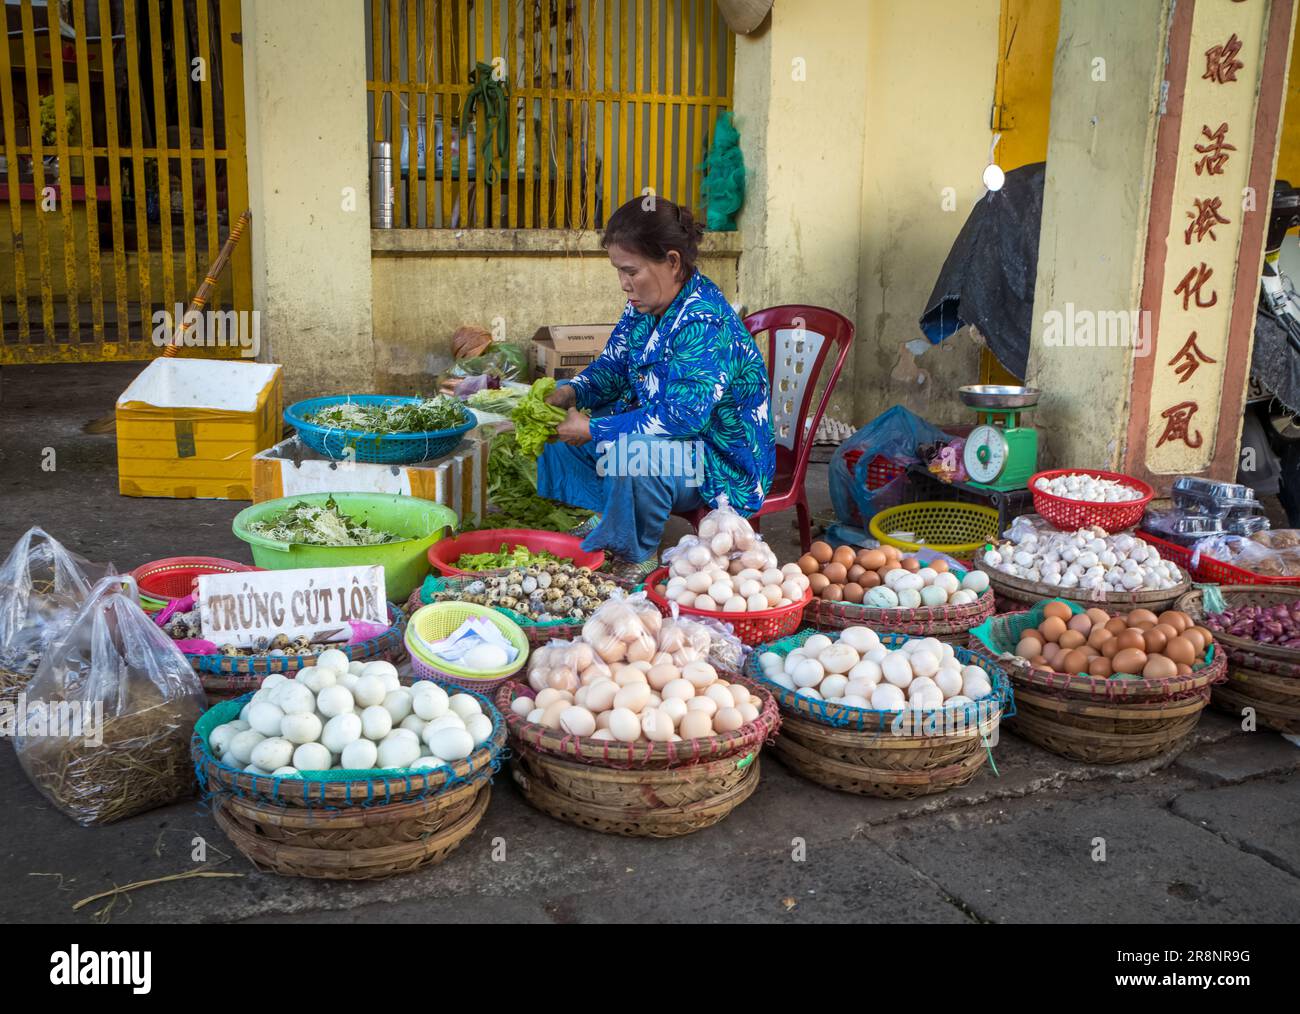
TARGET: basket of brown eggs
(892,591)
(1102,688)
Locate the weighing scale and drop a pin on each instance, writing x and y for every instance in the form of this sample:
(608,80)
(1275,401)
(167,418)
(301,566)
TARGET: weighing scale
(1000,453)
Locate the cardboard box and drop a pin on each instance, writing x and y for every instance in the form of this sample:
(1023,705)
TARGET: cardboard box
(190,427)
(561,351)
(457,480)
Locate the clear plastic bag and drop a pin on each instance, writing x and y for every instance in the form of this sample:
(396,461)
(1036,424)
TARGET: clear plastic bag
(1279,560)
(726,533)
(110,712)
(42,585)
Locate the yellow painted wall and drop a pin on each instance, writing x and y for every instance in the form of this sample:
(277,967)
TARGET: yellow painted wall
(421,298)
(1095,207)
(305,82)
(1288,156)
(927,128)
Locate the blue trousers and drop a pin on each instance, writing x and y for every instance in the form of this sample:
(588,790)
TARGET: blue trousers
(634,508)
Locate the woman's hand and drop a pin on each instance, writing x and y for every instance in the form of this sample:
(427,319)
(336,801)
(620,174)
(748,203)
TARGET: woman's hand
(563,397)
(575,430)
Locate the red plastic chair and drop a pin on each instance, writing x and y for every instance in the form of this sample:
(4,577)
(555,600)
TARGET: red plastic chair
(799,340)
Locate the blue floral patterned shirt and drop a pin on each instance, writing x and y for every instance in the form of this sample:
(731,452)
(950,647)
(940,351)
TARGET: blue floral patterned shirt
(693,373)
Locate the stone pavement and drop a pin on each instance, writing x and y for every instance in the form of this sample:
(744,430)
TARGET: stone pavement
(1210,836)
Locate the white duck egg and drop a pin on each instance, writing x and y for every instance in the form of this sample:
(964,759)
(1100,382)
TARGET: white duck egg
(240,748)
(341,730)
(273,752)
(398,704)
(887,697)
(371,689)
(897,669)
(465,705)
(480,728)
(294,698)
(334,701)
(299,729)
(265,718)
(315,757)
(400,751)
(376,722)
(808,673)
(429,701)
(332,658)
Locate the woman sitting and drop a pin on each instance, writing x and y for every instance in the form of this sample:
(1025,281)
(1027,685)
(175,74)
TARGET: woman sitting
(678,399)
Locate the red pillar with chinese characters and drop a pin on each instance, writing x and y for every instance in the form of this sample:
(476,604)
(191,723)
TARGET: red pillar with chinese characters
(1216,148)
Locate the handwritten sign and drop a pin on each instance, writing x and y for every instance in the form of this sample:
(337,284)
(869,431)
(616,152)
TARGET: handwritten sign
(242,609)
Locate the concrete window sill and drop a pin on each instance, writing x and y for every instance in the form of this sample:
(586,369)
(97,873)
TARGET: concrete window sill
(541,242)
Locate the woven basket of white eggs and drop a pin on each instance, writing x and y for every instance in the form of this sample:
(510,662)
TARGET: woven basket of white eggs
(347,734)
(882,714)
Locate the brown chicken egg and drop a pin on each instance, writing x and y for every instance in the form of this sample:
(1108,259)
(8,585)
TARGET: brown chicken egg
(1184,670)
(818,583)
(911,563)
(1131,638)
(853,592)
(1159,667)
(1110,648)
(870,579)
(1116,625)
(821,552)
(892,552)
(808,564)
(872,559)
(1206,634)
(1130,660)
(1074,662)
(1167,630)
(833,593)
(1081,623)
(1058,610)
(1099,617)
(1155,639)
(1100,667)
(1071,639)
(1142,616)
(1176,619)
(938,565)
(835,573)
(1029,647)
(1051,652)
(1052,628)
(1181,651)
(1193,634)
(856,572)
(1099,636)
(845,556)
(1144,626)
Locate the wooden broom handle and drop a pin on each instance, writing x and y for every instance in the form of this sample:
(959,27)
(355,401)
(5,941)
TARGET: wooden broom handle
(200,299)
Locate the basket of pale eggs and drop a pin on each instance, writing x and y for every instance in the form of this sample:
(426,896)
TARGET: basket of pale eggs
(882,714)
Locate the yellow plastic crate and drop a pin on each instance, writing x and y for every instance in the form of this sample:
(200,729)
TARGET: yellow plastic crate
(181,450)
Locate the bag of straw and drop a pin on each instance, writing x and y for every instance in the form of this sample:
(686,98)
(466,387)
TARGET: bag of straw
(110,712)
(42,585)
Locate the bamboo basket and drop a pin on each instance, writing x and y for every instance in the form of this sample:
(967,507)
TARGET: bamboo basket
(882,765)
(350,863)
(946,623)
(1263,677)
(1013,593)
(1099,733)
(888,754)
(355,827)
(1097,720)
(647,803)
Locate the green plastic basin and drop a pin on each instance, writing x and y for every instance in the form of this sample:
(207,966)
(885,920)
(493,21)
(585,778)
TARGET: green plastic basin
(405,563)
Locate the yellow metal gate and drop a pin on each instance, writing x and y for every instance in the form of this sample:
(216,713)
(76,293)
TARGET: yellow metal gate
(122,168)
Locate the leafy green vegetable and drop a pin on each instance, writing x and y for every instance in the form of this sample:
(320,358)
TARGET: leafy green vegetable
(512,492)
(516,556)
(502,401)
(441,413)
(308,524)
(535,421)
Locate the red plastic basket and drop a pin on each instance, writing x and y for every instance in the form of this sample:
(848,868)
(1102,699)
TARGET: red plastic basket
(443,555)
(1069,515)
(173,578)
(880,469)
(1209,570)
(751,628)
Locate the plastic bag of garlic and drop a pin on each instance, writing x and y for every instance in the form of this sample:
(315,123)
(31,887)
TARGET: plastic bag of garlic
(1088,559)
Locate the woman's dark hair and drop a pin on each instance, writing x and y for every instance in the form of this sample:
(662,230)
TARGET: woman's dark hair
(652,226)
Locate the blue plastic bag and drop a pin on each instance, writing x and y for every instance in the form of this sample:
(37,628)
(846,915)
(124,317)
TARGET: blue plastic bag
(895,433)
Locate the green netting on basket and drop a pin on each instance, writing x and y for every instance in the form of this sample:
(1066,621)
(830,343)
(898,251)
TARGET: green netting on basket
(425,782)
(845,716)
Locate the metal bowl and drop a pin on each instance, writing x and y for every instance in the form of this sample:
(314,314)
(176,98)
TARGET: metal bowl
(998,396)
